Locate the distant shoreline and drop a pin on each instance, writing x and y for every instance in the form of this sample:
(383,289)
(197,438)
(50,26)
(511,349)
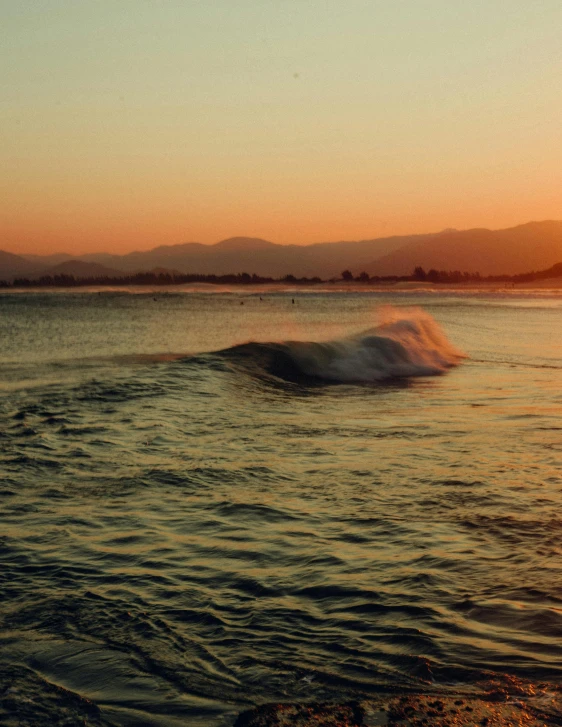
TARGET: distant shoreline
(554,284)
(421,279)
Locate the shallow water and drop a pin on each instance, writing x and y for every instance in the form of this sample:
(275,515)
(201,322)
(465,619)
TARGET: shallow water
(190,528)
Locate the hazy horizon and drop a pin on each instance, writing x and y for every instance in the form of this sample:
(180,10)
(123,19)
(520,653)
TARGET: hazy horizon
(150,248)
(128,126)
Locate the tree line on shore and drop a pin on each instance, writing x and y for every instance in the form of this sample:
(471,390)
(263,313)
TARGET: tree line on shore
(162,278)
(63,280)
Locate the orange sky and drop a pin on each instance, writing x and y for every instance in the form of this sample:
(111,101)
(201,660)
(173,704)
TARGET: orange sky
(130,125)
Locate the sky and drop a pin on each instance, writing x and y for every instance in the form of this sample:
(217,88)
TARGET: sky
(128,124)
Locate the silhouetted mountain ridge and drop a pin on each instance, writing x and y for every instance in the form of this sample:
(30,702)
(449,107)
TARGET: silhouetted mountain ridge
(254,255)
(520,249)
(532,246)
(244,244)
(83,269)
(13,265)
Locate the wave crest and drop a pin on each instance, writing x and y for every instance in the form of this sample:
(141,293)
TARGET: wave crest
(407,342)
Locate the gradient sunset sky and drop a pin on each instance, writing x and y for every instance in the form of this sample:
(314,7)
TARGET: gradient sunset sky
(128,124)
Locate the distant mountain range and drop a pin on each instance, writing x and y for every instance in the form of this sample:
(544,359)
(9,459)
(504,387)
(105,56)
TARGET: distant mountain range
(12,266)
(532,246)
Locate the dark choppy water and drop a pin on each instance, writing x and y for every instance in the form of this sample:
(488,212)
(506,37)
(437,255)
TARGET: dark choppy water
(186,533)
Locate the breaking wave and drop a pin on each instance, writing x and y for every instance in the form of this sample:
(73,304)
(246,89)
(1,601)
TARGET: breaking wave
(407,342)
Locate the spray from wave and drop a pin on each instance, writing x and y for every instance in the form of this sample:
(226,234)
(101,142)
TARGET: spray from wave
(407,342)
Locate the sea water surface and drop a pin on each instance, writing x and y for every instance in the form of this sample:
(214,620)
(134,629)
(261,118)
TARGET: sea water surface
(198,516)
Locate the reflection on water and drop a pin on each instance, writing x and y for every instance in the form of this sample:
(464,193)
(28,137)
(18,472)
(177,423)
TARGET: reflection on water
(186,536)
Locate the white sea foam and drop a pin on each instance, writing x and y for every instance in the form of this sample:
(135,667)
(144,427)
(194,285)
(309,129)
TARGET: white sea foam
(407,342)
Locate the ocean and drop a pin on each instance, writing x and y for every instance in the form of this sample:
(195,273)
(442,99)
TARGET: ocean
(212,500)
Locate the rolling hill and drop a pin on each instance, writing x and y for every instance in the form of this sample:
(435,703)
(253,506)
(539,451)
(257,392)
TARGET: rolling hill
(14,266)
(253,255)
(83,269)
(532,246)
